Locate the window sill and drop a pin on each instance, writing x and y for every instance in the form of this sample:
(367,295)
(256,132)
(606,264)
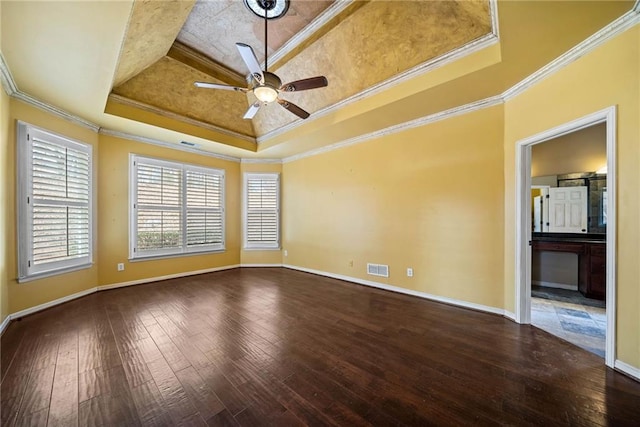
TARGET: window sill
(58,272)
(253,249)
(184,254)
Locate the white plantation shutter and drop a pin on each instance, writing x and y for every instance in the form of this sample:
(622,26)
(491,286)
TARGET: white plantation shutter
(205,216)
(177,208)
(159,195)
(262,211)
(55,203)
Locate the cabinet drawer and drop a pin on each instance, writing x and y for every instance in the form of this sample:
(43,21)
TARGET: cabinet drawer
(578,248)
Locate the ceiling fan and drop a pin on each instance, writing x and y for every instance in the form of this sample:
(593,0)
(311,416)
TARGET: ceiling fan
(264,85)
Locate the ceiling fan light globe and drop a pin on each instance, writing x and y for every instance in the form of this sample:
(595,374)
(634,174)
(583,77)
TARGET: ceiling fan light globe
(265,94)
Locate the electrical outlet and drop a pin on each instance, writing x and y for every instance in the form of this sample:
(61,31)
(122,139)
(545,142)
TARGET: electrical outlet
(409,272)
(286,253)
(120,266)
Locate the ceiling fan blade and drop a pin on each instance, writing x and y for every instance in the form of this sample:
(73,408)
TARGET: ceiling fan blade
(249,58)
(293,108)
(206,85)
(253,109)
(305,84)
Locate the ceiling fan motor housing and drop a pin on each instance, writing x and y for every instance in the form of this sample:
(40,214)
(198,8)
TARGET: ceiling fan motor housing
(270,80)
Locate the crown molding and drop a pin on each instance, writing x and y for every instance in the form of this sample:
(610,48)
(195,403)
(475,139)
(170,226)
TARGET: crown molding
(173,116)
(51,109)
(440,61)
(422,121)
(493,12)
(173,146)
(261,161)
(8,83)
(592,42)
(11,88)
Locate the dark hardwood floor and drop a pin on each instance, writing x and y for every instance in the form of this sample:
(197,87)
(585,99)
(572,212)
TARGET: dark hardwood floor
(279,347)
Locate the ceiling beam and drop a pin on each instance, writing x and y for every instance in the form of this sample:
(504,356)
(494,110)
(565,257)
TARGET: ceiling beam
(194,59)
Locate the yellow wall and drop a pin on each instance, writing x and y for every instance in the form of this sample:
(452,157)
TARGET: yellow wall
(5,187)
(113,207)
(607,76)
(409,199)
(581,151)
(261,256)
(29,294)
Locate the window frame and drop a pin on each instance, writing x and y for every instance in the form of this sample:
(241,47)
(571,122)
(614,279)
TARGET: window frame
(184,250)
(260,246)
(25,135)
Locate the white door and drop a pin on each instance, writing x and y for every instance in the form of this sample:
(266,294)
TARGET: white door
(568,210)
(541,209)
(537,214)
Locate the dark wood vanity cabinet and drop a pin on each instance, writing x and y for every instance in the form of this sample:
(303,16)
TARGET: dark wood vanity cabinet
(592,261)
(596,285)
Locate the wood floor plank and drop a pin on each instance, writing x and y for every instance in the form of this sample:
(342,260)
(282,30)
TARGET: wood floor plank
(11,341)
(222,419)
(150,405)
(271,346)
(229,395)
(37,395)
(92,383)
(108,410)
(204,398)
(35,419)
(179,407)
(135,366)
(63,409)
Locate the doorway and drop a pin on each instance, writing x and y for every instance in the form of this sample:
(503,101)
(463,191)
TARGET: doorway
(524,219)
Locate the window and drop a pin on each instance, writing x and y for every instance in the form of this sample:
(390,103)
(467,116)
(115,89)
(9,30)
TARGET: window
(262,211)
(54,203)
(176,208)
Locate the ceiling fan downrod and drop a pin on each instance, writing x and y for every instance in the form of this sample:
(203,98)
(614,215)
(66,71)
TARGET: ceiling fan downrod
(264,85)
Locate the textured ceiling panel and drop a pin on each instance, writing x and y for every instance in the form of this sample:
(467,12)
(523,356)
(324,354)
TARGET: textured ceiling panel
(380,40)
(168,85)
(364,45)
(153,26)
(214,27)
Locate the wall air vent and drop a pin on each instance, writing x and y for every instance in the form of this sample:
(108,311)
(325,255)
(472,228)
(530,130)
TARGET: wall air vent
(190,144)
(378,270)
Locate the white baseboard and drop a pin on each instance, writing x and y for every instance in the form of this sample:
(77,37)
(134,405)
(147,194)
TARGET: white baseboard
(509,315)
(554,285)
(4,324)
(446,300)
(627,369)
(260,265)
(167,277)
(40,307)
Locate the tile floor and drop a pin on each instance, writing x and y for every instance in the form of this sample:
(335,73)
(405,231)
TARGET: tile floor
(581,325)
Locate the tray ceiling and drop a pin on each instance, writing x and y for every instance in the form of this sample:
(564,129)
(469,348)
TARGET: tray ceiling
(170,45)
